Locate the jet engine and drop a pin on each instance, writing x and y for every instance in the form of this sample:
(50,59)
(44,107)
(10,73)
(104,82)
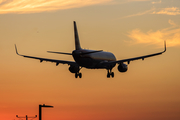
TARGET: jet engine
(74,69)
(122,67)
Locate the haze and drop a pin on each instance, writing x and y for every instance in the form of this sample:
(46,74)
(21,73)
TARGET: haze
(149,90)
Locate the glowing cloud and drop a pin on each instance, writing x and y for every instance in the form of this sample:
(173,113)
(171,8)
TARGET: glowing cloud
(171,35)
(140,13)
(34,6)
(129,1)
(172,22)
(168,11)
(165,11)
(159,2)
(136,0)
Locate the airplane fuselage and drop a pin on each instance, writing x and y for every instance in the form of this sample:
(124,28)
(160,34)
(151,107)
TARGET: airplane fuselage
(95,60)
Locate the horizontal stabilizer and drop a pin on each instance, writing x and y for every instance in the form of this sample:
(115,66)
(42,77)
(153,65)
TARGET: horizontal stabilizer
(91,52)
(59,53)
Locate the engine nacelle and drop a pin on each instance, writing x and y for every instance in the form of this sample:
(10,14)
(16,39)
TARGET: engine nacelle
(74,69)
(122,67)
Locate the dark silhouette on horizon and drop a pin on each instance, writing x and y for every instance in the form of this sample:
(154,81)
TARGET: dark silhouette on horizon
(26,117)
(40,110)
(92,59)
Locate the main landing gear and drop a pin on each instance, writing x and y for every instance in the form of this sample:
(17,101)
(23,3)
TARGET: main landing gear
(110,74)
(78,75)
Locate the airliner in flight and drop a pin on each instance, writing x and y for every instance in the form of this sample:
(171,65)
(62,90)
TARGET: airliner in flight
(91,59)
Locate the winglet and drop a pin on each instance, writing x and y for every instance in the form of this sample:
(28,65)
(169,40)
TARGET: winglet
(164,46)
(59,53)
(16,50)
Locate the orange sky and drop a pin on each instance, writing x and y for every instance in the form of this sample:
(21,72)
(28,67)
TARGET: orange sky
(149,90)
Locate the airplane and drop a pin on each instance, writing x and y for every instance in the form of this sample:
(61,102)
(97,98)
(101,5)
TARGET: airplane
(91,59)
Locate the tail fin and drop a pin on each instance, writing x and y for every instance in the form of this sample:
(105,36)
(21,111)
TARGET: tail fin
(77,43)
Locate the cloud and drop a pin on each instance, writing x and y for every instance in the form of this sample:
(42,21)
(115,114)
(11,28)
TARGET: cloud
(136,0)
(128,1)
(140,13)
(165,11)
(168,11)
(34,6)
(159,2)
(171,22)
(171,35)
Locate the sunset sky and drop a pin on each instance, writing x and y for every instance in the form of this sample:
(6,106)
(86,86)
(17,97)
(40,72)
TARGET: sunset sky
(149,90)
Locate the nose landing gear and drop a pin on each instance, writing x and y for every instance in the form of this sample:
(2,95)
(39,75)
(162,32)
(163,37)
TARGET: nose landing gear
(78,75)
(110,74)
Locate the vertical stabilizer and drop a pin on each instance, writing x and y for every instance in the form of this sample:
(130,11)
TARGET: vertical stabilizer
(77,43)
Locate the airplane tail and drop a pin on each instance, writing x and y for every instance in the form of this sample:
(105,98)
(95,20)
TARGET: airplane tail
(77,43)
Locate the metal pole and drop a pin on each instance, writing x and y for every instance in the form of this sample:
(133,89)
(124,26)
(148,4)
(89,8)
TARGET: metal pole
(40,112)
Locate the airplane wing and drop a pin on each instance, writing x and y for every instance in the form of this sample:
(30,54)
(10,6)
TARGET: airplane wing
(48,60)
(141,57)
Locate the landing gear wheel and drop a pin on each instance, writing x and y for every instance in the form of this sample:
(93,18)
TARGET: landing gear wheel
(76,75)
(108,75)
(80,75)
(112,74)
